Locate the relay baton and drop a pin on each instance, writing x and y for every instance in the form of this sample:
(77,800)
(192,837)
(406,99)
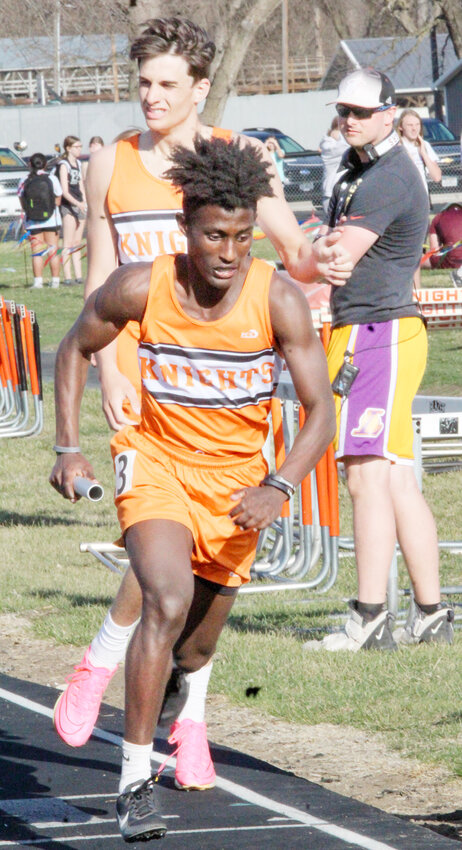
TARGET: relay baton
(88,489)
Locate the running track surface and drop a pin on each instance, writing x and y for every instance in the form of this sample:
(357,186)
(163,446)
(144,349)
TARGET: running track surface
(52,796)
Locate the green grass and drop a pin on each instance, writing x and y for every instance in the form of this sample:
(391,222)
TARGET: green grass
(56,310)
(412,696)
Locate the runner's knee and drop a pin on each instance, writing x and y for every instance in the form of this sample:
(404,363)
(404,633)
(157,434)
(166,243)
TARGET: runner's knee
(192,656)
(165,611)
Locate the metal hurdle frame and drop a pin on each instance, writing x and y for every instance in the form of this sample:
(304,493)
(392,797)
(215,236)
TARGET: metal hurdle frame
(290,550)
(19,357)
(309,523)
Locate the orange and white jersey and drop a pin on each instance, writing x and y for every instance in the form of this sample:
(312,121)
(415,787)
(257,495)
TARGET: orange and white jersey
(143,210)
(207,386)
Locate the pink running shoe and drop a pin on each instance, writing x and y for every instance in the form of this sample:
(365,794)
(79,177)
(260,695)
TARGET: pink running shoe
(194,767)
(77,708)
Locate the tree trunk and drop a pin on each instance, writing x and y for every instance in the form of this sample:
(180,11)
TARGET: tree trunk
(336,15)
(319,48)
(232,56)
(139,11)
(452,17)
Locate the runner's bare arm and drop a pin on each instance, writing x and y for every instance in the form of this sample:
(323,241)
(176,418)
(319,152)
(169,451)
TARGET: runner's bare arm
(305,261)
(357,241)
(102,260)
(101,239)
(106,312)
(301,348)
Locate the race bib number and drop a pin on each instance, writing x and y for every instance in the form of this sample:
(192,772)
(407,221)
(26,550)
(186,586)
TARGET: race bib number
(123,466)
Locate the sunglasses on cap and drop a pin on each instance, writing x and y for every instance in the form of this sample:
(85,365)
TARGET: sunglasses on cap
(343,110)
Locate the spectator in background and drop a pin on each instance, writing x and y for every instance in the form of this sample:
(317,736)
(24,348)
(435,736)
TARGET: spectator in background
(95,144)
(445,231)
(277,155)
(332,148)
(425,159)
(73,207)
(40,201)
(421,152)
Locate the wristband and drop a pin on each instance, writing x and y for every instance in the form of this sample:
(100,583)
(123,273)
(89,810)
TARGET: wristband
(66,450)
(274,480)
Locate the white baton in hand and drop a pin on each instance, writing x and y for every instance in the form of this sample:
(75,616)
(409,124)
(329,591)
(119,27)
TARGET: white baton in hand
(88,489)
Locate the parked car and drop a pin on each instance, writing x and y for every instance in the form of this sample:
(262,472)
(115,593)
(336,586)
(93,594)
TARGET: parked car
(302,167)
(447,147)
(13,170)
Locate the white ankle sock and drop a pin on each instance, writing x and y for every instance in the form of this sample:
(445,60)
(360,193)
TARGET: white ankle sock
(136,764)
(38,282)
(109,646)
(55,282)
(194,707)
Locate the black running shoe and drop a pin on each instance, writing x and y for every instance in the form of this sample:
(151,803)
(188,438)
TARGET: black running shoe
(175,697)
(138,813)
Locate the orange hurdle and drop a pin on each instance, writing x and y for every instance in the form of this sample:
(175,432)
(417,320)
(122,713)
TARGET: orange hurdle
(19,357)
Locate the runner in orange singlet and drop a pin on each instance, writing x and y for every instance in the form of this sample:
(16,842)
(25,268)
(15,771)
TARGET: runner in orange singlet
(143,210)
(192,491)
(132,210)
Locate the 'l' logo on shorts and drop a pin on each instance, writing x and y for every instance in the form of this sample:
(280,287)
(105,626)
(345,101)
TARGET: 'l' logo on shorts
(370,423)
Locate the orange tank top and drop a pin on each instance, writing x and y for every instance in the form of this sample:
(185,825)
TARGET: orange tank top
(207,386)
(143,210)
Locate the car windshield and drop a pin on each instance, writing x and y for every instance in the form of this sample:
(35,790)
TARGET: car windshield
(436,131)
(8,159)
(289,145)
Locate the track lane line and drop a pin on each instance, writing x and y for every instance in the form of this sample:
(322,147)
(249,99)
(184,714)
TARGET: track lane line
(233,788)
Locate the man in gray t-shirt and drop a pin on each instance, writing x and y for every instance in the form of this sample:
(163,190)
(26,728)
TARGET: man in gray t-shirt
(386,198)
(377,355)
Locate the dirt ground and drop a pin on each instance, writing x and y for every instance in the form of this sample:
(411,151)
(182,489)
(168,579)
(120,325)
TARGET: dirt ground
(346,760)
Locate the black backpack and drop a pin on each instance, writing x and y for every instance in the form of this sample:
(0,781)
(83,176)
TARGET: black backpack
(38,197)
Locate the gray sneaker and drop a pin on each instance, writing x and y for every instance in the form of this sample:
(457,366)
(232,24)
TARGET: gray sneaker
(138,813)
(358,634)
(427,628)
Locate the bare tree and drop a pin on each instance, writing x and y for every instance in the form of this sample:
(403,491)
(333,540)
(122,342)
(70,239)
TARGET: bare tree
(245,31)
(139,11)
(451,15)
(233,36)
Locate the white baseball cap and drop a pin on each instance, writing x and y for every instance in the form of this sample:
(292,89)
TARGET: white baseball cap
(366,87)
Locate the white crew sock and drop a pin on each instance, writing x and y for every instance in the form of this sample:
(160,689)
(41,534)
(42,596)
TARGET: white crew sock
(136,764)
(109,646)
(38,282)
(55,282)
(194,707)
